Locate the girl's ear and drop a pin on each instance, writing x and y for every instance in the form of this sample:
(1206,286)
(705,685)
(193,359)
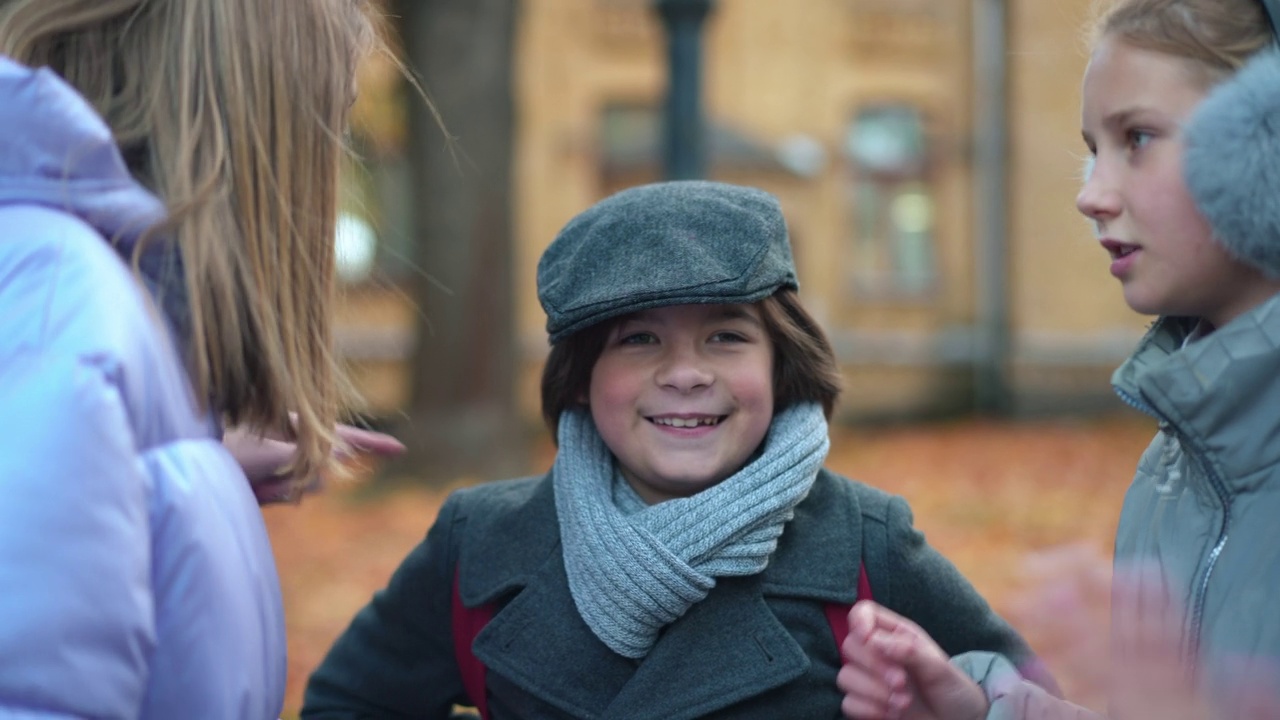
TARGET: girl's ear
(1232,161)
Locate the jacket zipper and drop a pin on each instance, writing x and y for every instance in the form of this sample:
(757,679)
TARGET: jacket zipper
(1220,489)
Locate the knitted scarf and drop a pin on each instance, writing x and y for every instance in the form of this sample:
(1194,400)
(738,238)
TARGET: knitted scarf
(635,568)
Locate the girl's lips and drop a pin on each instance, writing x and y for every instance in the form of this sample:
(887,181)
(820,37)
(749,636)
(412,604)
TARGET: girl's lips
(1123,255)
(1123,264)
(1117,248)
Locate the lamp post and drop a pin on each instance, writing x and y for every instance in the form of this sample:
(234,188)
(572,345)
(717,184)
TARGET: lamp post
(684,143)
(992,392)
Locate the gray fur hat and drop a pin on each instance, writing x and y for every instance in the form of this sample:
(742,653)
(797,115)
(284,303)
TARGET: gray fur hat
(1232,159)
(669,243)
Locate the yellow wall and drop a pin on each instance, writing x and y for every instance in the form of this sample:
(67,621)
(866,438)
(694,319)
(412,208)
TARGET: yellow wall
(775,69)
(1064,295)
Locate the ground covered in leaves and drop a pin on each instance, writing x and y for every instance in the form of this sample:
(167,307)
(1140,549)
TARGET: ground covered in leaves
(1026,510)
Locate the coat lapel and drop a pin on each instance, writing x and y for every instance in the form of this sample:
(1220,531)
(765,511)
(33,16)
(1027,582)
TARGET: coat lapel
(725,649)
(821,548)
(540,643)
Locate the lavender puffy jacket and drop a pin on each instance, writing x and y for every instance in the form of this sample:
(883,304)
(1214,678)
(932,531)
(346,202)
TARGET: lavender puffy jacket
(136,576)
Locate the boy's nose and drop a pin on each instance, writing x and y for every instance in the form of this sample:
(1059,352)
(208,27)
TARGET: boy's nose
(683,370)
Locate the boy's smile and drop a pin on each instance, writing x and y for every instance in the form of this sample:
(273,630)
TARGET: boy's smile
(683,395)
(678,421)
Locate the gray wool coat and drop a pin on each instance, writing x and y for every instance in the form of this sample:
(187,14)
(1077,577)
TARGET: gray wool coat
(755,647)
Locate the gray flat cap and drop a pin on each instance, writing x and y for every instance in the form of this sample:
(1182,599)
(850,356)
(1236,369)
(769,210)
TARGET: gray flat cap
(670,243)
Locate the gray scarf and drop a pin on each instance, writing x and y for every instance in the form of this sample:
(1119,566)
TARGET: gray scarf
(635,568)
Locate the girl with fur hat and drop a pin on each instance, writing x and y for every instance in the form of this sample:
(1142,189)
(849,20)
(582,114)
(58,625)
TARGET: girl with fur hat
(168,195)
(680,557)
(1180,107)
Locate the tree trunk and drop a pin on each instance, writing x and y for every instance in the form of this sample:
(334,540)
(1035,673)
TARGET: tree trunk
(462,417)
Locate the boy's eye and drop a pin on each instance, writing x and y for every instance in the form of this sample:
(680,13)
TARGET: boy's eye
(637,338)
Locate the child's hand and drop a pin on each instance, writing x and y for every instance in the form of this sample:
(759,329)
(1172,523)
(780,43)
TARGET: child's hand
(1152,677)
(1064,610)
(358,441)
(894,670)
(262,458)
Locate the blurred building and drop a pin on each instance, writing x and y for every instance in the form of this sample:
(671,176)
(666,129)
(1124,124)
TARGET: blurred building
(867,119)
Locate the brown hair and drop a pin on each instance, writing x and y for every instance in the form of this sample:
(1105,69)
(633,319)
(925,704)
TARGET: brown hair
(1218,36)
(804,365)
(233,113)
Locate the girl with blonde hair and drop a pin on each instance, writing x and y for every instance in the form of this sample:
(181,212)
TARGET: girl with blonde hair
(168,195)
(1180,101)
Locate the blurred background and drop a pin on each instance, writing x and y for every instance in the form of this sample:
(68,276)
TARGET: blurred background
(927,154)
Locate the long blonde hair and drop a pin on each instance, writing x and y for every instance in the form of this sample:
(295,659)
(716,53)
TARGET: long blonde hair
(1218,36)
(233,112)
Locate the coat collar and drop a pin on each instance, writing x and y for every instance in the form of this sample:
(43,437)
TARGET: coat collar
(506,547)
(1218,392)
(732,639)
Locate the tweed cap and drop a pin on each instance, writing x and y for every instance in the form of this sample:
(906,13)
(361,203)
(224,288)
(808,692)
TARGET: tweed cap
(671,243)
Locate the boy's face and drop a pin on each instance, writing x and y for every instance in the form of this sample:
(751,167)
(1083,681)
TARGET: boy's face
(1135,102)
(683,395)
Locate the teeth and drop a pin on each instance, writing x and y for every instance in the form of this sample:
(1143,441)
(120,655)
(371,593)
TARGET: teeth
(683,423)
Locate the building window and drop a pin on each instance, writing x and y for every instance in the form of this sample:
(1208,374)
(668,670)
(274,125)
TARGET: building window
(625,23)
(628,150)
(891,204)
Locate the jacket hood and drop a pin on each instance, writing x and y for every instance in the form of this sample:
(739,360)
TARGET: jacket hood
(56,151)
(1217,392)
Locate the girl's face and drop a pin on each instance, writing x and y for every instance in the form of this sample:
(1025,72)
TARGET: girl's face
(683,395)
(1162,250)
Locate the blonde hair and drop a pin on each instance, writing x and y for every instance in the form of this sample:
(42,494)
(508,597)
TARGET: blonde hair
(1217,36)
(233,112)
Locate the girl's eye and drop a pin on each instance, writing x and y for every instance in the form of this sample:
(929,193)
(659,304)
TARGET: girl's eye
(1136,139)
(728,336)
